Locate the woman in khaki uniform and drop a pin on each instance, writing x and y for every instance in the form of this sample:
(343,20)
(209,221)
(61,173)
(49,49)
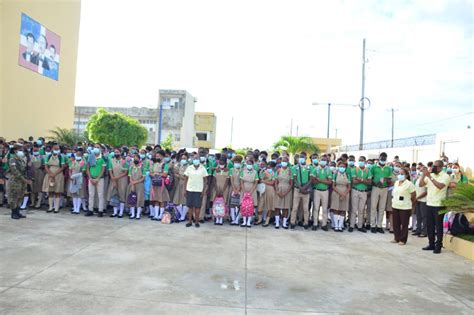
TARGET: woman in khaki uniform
(136,174)
(118,171)
(268,198)
(235,189)
(76,166)
(53,182)
(221,187)
(283,187)
(248,183)
(159,194)
(37,162)
(179,198)
(340,196)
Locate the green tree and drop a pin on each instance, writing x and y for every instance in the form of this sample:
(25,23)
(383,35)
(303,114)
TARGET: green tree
(167,143)
(295,145)
(461,199)
(115,129)
(66,136)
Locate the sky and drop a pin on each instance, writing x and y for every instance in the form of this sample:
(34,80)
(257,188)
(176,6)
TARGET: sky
(264,63)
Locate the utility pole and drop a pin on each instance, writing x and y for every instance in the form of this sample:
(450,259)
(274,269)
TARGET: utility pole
(329,112)
(231,131)
(361,140)
(393,110)
(297,129)
(291,127)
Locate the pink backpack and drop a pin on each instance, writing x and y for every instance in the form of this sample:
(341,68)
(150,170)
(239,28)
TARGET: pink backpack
(219,207)
(246,205)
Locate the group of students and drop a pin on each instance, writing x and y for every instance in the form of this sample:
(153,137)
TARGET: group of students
(313,191)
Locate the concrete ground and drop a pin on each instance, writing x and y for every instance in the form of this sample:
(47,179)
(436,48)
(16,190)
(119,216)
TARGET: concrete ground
(66,264)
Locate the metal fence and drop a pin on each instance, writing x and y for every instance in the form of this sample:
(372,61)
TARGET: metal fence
(397,143)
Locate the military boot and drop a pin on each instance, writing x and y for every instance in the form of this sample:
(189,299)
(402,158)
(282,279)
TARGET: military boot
(15,214)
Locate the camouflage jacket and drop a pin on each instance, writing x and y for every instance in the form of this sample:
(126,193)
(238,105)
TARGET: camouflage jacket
(17,168)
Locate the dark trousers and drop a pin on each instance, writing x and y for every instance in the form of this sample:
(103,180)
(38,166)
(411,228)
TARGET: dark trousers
(400,220)
(421,217)
(434,225)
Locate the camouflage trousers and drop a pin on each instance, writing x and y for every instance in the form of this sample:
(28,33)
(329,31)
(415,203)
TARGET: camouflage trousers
(16,192)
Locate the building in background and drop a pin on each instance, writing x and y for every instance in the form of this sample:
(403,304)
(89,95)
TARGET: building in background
(205,127)
(326,144)
(43,98)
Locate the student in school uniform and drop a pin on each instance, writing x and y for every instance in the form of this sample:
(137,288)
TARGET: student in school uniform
(248,184)
(322,179)
(159,195)
(136,174)
(284,186)
(302,181)
(118,171)
(221,187)
(381,175)
(340,196)
(37,162)
(179,198)
(235,189)
(268,177)
(360,177)
(95,172)
(53,182)
(76,169)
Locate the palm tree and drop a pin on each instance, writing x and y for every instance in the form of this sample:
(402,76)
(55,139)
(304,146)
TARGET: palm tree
(295,145)
(462,198)
(66,136)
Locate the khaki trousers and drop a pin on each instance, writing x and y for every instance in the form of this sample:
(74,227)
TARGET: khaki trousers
(99,189)
(298,199)
(379,196)
(320,198)
(358,201)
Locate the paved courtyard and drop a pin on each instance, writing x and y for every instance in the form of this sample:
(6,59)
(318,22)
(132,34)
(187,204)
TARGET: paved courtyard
(65,264)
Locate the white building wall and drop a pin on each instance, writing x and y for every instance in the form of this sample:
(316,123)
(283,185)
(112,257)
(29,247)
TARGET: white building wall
(187,130)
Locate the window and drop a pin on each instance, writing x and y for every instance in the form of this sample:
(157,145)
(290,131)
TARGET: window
(201,136)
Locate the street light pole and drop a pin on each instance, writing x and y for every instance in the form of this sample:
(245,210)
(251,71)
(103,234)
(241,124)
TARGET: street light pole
(160,126)
(393,110)
(329,119)
(329,112)
(361,140)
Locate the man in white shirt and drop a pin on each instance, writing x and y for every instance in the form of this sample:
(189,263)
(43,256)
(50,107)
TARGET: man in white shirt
(195,176)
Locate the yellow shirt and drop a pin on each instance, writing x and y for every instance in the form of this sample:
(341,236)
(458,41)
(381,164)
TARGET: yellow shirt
(195,178)
(436,196)
(420,190)
(401,195)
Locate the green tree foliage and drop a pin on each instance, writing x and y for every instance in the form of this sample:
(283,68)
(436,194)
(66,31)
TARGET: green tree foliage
(66,136)
(115,129)
(462,198)
(295,145)
(167,143)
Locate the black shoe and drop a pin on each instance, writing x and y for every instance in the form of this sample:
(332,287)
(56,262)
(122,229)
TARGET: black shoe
(49,210)
(189,224)
(89,214)
(416,233)
(215,223)
(367,227)
(437,250)
(324,228)
(314,228)
(201,221)
(264,225)
(15,214)
(113,215)
(363,230)
(373,230)
(100,215)
(380,230)
(120,216)
(243,225)
(429,247)
(306,226)
(292,226)
(197,225)
(21,215)
(422,235)
(351,229)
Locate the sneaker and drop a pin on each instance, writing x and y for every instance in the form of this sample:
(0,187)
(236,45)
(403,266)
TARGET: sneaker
(189,224)
(363,230)
(351,229)
(306,226)
(314,228)
(380,230)
(373,230)
(197,225)
(429,247)
(89,214)
(324,228)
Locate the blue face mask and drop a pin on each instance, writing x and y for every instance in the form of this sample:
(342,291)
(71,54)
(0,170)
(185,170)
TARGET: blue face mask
(361,164)
(39,142)
(48,153)
(351,163)
(401,177)
(396,169)
(237,165)
(167,159)
(323,163)
(196,162)
(284,164)
(142,156)
(96,151)
(382,162)
(332,168)
(315,161)
(274,161)
(249,167)
(20,154)
(36,153)
(149,155)
(270,171)
(89,149)
(69,155)
(56,152)
(202,159)
(302,161)
(78,158)
(449,170)
(184,162)
(342,169)
(370,166)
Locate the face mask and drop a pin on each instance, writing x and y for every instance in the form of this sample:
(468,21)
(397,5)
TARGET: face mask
(78,158)
(221,165)
(456,170)
(20,154)
(56,152)
(237,165)
(351,163)
(315,161)
(136,162)
(401,177)
(270,171)
(233,155)
(196,162)
(274,161)
(142,156)
(434,169)
(449,171)
(69,155)
(323,163)
(167,159)
(184,162)
(117,156)
(249,167)
(332,168)
(342,169)
(212,158)
(284,164)
(134,151)
(382,162)
(260,159)
(149,156)
(302,161)
(202,159)
(39,142)
(361,164)
(370,166)
(36,153)
(48,153)
(396,169)
(96,151)
(89,149)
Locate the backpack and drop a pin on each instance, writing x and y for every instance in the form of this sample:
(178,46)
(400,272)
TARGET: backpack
(166,218)
(169,181)
(219,207)
(460,225)
(246,205)
(157,180)
(132,199)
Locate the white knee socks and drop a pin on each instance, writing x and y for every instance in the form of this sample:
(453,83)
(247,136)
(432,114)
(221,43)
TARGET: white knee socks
(285,222)
(57,203)
(139,213)
(277,221)
(244,221)
(115,211)
(122,207)
(51,203)
(132,212)
(183,214)
(25,202)
(232,215)
(152,211)
(161,212)
(156,213)
(249,221)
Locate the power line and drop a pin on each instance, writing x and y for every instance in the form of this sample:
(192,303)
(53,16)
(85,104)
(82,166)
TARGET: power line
(440,120)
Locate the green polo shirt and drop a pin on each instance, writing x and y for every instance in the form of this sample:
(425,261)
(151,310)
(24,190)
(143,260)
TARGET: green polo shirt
(113,160)
(97,168)
(377,173)
(305,173)
(132,168)
(361,174)
(322,174)
(146,164)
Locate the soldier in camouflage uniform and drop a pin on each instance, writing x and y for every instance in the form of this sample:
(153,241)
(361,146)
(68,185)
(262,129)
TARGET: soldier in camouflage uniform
(17,181)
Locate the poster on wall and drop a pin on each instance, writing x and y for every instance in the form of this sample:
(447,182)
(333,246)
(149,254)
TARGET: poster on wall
(40,48)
